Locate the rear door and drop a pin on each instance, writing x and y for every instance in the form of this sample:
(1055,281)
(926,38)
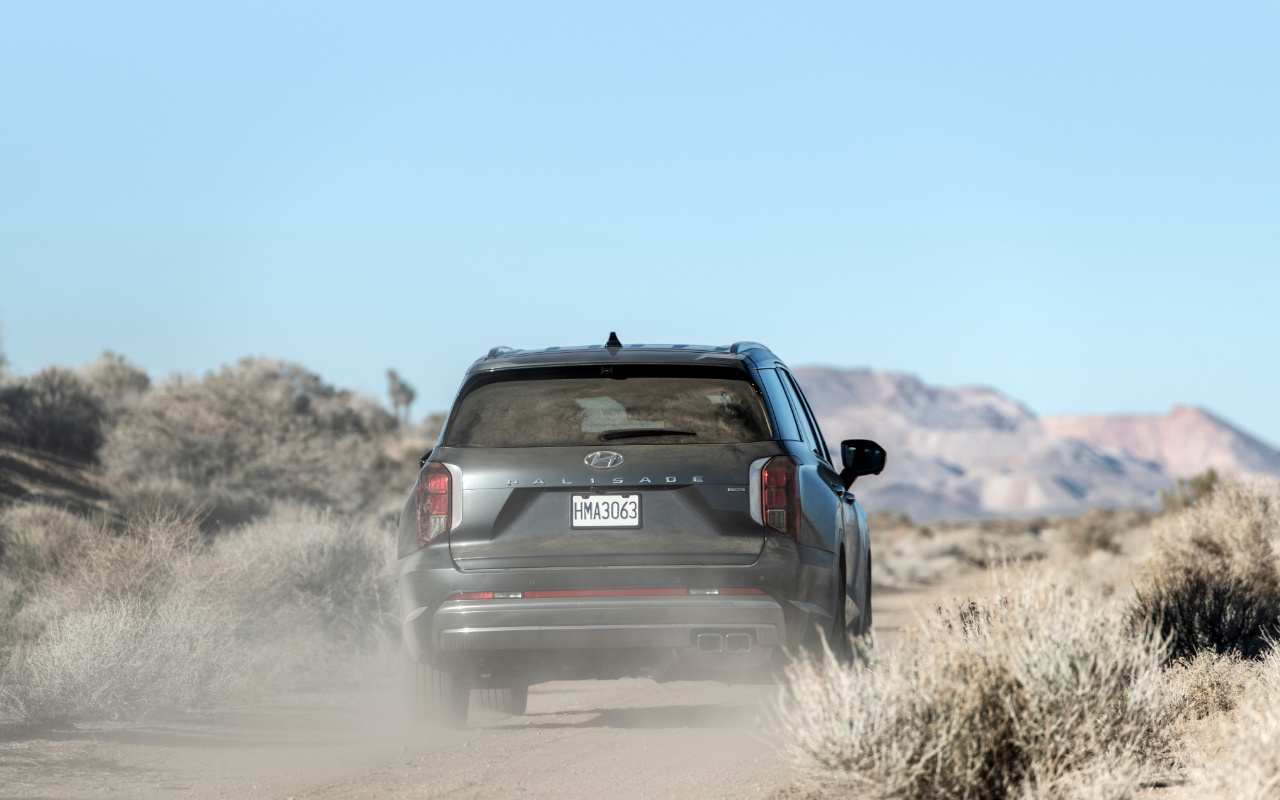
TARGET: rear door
(640,465)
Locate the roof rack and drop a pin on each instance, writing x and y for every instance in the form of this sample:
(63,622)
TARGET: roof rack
(500,350)
(738,347)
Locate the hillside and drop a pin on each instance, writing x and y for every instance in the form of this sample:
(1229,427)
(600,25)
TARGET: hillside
(974,452)
(27,474)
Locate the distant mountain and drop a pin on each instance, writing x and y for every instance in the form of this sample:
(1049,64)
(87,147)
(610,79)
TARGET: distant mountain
(1183,442)
(973,452)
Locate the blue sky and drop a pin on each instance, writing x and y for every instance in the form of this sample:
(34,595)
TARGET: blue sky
(1077,203)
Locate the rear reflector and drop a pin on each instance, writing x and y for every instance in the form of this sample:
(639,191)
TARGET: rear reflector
(535,593)
(605,592)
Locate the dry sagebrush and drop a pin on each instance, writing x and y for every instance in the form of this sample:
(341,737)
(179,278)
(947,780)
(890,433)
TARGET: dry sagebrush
(1213,582)
(239,440)
(125,658)
(1041,692)
(119,623)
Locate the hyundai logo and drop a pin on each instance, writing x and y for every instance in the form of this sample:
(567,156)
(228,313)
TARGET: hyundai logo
(603,459)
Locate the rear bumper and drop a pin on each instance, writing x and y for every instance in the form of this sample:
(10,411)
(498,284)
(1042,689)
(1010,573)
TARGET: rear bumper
(603,622)
(800,583)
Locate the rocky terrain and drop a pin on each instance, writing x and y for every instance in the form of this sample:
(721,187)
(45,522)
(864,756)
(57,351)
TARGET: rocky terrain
(968,451)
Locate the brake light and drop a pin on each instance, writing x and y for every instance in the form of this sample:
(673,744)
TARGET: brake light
(780,497)
(436,512)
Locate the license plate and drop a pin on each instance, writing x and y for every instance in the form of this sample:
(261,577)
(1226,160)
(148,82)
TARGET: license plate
(605,511)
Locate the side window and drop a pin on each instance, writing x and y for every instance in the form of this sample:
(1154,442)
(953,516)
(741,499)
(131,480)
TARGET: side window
(793,400)
(772,385)
(818,444)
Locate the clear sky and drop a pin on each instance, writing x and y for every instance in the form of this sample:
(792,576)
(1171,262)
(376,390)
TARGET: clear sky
(1077,203)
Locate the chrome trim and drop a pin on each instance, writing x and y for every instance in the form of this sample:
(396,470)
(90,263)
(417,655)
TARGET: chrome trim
(753,486)
(603,459)
(455,504)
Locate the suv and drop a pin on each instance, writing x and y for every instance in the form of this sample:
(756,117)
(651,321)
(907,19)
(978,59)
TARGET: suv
(668,511)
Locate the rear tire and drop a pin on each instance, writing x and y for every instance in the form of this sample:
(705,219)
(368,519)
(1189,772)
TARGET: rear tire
(511,701)
(838,641)
(439,698)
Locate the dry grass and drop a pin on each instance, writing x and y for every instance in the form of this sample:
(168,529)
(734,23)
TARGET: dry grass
(1246,762)
(1069,689)
(1041,691)
(1099,529)
(907,554)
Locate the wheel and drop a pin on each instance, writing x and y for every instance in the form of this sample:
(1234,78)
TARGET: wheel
(439,698)
(512,701)
(838,639)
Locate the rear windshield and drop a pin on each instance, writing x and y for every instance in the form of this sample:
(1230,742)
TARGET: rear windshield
(562,409)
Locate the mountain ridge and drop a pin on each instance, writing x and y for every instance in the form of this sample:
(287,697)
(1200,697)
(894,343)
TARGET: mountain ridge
(973,451)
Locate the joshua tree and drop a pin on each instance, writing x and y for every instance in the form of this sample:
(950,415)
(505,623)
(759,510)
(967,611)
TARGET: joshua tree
(402,395)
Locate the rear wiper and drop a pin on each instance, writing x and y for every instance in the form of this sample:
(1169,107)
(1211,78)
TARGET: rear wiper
(632,433)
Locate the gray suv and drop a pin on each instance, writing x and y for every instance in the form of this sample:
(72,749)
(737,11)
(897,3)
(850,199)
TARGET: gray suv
(668,511)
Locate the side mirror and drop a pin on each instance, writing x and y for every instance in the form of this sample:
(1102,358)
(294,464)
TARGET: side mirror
(861,457)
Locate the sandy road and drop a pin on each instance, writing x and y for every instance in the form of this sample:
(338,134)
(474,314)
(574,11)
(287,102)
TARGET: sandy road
(630,738)
(607,739)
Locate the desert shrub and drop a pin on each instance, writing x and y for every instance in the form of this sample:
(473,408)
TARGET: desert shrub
(1099,529)
(38,540)
(54,411)
(151,557)
(1210,683)
(1189,491)
(1213,583)
(117,381)
(1044,694)
(1198,610)
(304,573)
(63,562)
(117,621)
(124,658)
(250,435)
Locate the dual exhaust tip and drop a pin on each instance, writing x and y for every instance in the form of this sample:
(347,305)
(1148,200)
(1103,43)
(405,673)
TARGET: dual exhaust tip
(724,643)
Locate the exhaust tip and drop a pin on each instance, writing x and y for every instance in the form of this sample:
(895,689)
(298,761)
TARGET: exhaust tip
(710,642)
(737,642)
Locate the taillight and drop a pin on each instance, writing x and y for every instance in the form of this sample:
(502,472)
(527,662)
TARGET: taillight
(775,497)
(437,498)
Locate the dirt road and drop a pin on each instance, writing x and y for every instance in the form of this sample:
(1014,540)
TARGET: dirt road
(608,739)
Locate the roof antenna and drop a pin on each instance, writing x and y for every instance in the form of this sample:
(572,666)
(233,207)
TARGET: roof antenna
(613,340)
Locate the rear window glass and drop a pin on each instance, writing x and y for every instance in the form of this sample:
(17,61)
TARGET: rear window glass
(594,410)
